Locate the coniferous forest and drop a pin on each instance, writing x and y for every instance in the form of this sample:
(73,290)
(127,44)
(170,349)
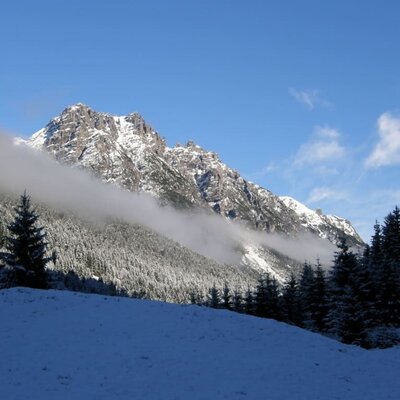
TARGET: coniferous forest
(356,301)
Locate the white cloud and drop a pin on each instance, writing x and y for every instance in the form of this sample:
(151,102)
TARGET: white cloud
(322,193)
(310,98)
(327,132)
(387,150)
(323,147)
(266,170)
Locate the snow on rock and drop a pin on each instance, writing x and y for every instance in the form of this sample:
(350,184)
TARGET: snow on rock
(264,261)
(128,152)
(319,222)
(63,345)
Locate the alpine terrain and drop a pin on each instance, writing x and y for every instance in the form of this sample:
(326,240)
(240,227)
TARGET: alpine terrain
(128,152)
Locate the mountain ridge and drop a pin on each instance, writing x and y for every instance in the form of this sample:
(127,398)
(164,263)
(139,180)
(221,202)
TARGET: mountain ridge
(127,151)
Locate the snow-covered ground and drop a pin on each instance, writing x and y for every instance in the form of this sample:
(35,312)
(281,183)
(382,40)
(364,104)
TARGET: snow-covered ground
(63,345)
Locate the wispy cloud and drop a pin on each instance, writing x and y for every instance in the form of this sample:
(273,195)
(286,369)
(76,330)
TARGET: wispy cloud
(263,172)
(311,98)
(387,151)
(324,146)
(325,193)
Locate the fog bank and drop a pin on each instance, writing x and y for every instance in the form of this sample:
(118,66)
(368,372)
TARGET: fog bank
(66,188)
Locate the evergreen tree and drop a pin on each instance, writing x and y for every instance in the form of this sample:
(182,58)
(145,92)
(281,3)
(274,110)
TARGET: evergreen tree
(391,236)
(260,304)
(305,291)
(291,301)
(249,303)
(272,299)
(214,298)
(346,315)
(388,280)
(318,305)
(194,297)
(375,255)
(237,301)
(226,297)
(26,248)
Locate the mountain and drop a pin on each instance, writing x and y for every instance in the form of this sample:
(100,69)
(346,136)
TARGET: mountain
(325,226)
(127,151)
(63,345)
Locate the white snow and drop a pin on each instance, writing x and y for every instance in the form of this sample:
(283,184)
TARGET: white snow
(62,345)
(315,220)
(258,259)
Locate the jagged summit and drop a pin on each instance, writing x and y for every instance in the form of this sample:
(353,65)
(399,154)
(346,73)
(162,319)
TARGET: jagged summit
(127,151)
(317,221)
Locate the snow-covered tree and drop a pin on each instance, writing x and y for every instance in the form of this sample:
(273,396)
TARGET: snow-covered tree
(24,258)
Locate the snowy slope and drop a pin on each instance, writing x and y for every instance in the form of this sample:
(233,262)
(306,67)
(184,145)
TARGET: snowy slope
(61,345)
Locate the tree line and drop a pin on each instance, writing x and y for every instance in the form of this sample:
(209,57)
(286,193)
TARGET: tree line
(26,256)
(357,301)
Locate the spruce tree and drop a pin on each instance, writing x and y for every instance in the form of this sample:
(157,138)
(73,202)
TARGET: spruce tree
(226,297)
(318,305)
(305,290)
(346,313)
(249,302)
(237,301)
(214,298)
(26,247)
(389,271)
(290,301)
(260,306)
(272,298)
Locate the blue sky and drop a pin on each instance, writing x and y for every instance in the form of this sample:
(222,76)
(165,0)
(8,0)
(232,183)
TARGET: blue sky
(301,97)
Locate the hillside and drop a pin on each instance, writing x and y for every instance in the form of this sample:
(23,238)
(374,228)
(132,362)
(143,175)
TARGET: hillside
(132,257)
(62,345)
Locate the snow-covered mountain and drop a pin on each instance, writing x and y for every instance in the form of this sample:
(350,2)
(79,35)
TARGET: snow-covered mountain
(63,345)
(129,152)
(326,226)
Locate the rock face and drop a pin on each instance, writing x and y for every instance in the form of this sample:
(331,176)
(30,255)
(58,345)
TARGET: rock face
(130,153)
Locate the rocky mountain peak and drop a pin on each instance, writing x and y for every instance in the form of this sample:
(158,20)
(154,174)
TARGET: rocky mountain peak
(139,123)
(127,151)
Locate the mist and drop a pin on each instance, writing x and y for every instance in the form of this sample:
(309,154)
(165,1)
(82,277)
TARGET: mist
(66,188)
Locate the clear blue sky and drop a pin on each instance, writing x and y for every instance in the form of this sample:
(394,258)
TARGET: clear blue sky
(301,97)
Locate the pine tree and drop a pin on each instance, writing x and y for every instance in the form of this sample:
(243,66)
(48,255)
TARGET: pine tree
(237,301)
(272,298)
(346,313)
(388,280)
(249,303)
(214,298)
(318,300)
(305,290)
(290,301)
(391,236)
(25,244)
(375,252)
(260,306)
(226,297)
